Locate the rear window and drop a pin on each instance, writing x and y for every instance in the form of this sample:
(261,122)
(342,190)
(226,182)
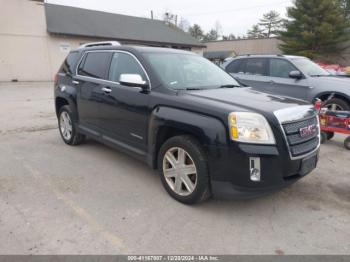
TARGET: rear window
(235,67)
(95,64)
(68,64)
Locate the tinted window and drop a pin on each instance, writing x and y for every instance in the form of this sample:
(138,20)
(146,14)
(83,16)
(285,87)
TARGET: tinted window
(256,66)
(95,65)
(280,68)
(69,63)
(236,66)
(124,64)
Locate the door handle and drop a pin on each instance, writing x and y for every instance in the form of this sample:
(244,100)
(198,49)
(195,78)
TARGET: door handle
(272,82)
(75,82)
(106,90)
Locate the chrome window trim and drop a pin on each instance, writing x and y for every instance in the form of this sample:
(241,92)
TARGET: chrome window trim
(108,81)
(285,116)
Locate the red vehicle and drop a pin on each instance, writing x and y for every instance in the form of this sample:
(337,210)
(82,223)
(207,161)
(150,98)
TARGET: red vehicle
(333,122)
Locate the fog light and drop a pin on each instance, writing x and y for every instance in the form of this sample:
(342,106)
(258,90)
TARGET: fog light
(255,171)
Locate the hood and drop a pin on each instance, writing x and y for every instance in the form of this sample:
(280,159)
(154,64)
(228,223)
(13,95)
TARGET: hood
(246,99)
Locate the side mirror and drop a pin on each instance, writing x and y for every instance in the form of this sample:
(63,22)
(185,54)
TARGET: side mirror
(295,75)
(133,80)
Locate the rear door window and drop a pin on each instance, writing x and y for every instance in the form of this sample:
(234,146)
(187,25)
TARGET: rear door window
(95,64)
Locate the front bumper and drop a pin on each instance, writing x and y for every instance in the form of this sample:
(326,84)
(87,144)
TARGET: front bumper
(230,170)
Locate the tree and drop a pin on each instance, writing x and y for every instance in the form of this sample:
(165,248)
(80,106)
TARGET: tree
(229,37)
(255,32)
(345,4)
(316,28)
(184,25)
(170,18)
(196,31)
(212,35)
(218,28)
(271,23)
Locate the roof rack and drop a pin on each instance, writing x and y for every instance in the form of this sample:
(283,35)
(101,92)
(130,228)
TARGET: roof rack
(279,55)
(106,43)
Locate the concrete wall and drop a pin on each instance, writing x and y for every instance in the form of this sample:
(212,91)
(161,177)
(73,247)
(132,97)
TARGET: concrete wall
(245,46)
(262,46)
(27,51)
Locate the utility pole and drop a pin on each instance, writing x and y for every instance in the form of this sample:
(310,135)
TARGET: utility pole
(152,14)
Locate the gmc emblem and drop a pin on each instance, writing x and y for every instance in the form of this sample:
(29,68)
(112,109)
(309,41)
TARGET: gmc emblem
(307,131)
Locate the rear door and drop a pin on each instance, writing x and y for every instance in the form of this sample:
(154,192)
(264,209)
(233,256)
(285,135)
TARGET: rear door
(91,79)
(251,72)
(282,84)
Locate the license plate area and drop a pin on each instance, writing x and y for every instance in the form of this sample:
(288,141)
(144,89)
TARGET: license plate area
(308,164)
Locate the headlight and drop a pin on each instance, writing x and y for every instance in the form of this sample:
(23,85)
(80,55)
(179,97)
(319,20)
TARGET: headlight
(250,128)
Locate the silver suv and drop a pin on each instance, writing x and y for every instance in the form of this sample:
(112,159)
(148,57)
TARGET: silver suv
(292,76)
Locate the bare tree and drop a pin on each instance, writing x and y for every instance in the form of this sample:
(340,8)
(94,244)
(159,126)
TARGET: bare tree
(184,24)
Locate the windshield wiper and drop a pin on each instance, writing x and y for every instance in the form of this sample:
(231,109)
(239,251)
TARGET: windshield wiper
(319,75)
(229,86)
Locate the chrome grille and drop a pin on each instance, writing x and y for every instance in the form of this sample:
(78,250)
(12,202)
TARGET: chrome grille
(300,145)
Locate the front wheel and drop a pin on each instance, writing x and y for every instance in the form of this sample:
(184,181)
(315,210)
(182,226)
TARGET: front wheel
(67,127)
(182,163)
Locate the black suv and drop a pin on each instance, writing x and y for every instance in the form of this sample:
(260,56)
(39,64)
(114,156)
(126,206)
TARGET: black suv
(187,118)
(293,76)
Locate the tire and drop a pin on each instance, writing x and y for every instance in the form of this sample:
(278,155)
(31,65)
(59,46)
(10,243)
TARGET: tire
(323,137)
(195,159)
(347,143)
(66,123)
(330,135)
(337,104)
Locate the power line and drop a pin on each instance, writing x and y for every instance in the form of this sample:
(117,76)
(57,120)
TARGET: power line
(236,10)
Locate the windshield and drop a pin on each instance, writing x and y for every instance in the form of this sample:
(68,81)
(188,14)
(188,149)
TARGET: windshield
(187,71)
(309,67)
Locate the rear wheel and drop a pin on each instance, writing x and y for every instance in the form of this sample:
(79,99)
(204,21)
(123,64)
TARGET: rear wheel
(337,104)
(67,127)
(183,169)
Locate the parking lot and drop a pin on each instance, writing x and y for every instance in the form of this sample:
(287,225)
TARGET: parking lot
(90,199)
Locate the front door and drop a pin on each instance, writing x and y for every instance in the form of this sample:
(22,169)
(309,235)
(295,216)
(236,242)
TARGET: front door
(282,84)
(125,109)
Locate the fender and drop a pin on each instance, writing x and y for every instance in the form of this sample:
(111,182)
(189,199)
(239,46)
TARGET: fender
(68,93)
(208,130)
(331,92)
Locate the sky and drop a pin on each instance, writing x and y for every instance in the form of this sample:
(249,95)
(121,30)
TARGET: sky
(234,16)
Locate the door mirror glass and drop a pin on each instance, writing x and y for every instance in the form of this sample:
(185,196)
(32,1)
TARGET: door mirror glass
(134,80)
(295,75)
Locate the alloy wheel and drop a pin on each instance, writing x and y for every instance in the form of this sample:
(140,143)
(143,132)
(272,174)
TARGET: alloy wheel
(66,126)
(180,171)
(335,107)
